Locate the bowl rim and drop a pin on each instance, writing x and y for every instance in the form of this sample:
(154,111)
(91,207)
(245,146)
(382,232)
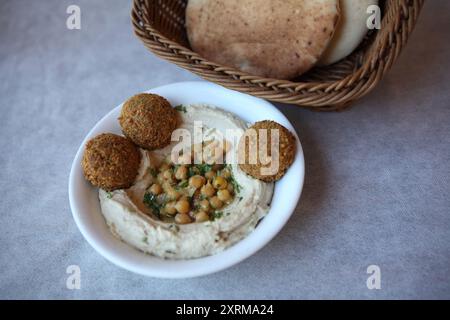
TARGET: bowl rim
(238,252)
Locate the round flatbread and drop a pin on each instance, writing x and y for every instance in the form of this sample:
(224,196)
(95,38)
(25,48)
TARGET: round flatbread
(272,38)
(350,31)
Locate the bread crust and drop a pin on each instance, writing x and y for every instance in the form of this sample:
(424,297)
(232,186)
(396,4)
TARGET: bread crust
(279,39)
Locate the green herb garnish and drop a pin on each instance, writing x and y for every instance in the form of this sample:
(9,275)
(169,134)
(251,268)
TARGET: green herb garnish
(181,108)
(183,184)
(151,201)
(109,195)
(144,239)
(237,187)
(204,168)
(153,172)
(216,215)
(193,171)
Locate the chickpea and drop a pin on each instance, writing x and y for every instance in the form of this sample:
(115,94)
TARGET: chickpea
(201,216)
(211,174)
(220,183)
(184,198)
(185,158)
(156,189)
(212,154)
(224,195)
(160,177)
(208,190)
(166,185)
(197,181)
(216,203)
(204,205)
(170,209)
(225,173)
(183,206)
(218,167)
(198,158)
(210,143)
(226,146)
(165,166)
(181,173)
(182,218)
(173,194)
(167,174)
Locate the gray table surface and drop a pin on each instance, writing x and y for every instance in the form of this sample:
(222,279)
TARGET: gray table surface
(377,189)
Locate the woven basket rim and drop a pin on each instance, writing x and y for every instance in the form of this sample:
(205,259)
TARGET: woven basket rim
(369,71)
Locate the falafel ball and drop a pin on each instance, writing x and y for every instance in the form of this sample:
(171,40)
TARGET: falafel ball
(148,120)
(111,162)
(286,151)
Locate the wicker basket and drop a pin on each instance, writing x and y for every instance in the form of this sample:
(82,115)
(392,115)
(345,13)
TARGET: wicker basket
(160,24)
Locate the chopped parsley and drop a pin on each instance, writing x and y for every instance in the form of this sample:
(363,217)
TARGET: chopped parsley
(181,108)
(145,239)
(193,171)
(216,215)
(183,184)
(109,195)
(151,201)
(237,187)
(204,168)
(153,172)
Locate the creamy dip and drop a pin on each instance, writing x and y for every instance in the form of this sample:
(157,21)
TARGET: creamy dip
(130,220)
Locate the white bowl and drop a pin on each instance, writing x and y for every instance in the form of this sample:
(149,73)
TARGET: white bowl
(86,208)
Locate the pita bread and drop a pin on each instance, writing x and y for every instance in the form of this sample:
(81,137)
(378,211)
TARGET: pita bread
(272,38)
(350,31)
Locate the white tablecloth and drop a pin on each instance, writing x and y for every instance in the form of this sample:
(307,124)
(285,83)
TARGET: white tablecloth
(377,188)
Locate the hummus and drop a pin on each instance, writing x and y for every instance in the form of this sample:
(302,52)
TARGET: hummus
(130,220)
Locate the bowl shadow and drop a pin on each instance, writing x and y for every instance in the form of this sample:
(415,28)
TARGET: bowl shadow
(316,187)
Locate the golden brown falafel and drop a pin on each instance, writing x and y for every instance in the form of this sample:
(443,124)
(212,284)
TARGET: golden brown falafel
(287,148)
(148,120)
(111,162)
